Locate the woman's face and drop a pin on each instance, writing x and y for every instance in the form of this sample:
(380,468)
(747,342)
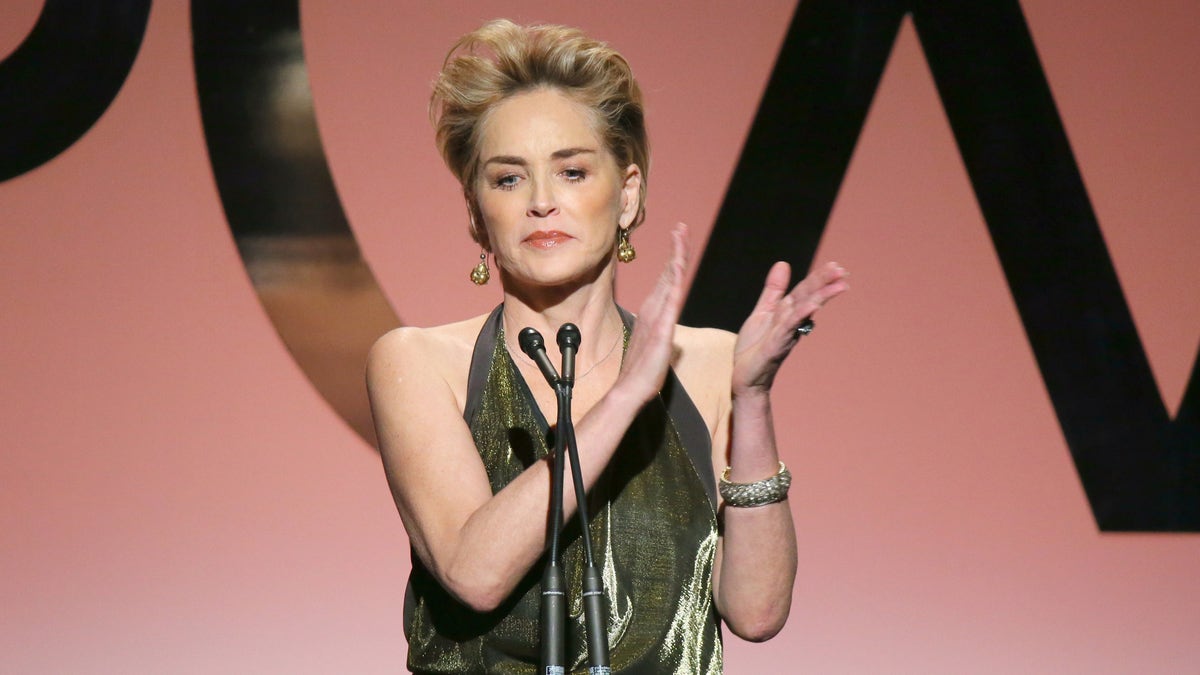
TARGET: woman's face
(550,193)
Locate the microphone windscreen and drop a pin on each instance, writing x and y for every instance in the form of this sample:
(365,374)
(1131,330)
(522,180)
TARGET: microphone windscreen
(568,336)
(531,341)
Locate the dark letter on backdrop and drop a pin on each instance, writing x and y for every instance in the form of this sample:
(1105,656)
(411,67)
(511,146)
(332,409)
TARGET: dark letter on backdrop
(63,77)
(1140,469)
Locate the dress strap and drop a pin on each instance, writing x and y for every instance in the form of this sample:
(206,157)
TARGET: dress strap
(481,362)
(689,424)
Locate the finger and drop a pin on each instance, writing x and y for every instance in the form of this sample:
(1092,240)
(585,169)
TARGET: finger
(653,304)
(817,277)
(679,260)
(665,301)
(798,306)
(789,315)
(774,287)
(679,247)
(669,277)
(822,284)
(830,272)
(673,278)
(805,308)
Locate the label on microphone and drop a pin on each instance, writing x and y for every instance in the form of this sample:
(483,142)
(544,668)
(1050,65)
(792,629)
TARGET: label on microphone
(555,670)
(599,670)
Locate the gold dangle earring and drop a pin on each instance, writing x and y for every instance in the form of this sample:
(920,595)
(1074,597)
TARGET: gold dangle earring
(480,273)
(625,251)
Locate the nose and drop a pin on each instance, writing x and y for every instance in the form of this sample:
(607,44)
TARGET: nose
(541,200)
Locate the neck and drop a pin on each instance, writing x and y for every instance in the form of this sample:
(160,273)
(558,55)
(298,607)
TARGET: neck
(589,305)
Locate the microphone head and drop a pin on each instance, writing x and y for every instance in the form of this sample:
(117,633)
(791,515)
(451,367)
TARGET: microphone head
(568,336)
(531,341)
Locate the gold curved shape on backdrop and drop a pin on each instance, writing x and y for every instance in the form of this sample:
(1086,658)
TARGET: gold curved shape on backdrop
(280,200)
(327,308)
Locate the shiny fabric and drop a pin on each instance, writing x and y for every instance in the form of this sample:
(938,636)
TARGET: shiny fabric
(654,532)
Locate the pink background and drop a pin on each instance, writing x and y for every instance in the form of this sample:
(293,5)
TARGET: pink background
(175,497)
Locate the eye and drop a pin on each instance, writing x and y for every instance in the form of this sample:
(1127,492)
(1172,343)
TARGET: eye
(506,182)
(574,175)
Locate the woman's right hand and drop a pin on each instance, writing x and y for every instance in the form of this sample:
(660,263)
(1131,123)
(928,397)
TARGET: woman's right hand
(651,346)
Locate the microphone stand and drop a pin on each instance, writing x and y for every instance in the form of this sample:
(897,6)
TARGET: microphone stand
(553,609)
(593,584)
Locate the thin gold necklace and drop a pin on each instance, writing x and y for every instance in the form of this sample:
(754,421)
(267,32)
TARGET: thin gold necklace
(607,354)
(521,355)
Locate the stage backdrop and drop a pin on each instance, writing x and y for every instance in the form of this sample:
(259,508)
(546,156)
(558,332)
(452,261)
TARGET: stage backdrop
(176,497)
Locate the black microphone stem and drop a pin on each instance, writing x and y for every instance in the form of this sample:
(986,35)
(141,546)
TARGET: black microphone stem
(595,620)
(554,598)
(554,606)
(554,591)
(595,616)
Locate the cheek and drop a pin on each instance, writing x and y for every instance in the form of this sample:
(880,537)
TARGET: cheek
(606,204)
(616,207)
(495,210)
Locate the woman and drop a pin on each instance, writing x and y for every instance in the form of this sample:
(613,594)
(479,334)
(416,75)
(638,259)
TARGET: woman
(543,128)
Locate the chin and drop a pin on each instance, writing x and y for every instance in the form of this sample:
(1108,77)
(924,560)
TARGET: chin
(562,271)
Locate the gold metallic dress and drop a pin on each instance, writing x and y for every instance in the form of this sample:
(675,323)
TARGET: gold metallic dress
(653,526)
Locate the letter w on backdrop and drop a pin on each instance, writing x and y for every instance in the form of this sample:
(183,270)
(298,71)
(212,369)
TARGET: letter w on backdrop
(1139,468)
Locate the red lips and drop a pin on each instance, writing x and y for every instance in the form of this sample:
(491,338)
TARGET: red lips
(546,239)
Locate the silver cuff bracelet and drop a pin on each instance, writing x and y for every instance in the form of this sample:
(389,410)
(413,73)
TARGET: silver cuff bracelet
(760,492)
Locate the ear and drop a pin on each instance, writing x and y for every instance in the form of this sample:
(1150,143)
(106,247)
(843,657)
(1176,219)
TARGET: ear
(631,196)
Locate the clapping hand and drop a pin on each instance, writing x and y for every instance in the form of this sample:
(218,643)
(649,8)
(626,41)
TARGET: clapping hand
(770,332)
(652,344)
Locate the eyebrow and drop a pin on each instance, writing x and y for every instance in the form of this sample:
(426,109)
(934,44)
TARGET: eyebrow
(520,161)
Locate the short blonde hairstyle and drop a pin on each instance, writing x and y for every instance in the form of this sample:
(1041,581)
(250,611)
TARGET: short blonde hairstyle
(501,59)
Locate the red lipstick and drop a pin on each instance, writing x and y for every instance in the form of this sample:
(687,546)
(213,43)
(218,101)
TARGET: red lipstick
(546,239)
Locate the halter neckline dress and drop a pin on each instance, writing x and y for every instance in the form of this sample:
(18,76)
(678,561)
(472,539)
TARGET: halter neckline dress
(654,534)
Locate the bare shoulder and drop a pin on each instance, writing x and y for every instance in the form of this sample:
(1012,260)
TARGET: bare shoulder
(704,364)
(704,348)
(428,342)
(424,355)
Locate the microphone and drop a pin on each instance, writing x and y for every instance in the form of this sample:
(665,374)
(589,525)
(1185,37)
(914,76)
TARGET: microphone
(553,609)
(568,344)
(554,599)
(593,584)
(535,348)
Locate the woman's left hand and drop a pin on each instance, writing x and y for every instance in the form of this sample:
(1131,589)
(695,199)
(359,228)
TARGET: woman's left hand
(768,335)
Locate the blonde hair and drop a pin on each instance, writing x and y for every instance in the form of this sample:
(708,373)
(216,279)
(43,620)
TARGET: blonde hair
(501,59)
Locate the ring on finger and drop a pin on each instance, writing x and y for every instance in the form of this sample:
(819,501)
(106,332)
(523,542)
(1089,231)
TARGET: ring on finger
(804,328)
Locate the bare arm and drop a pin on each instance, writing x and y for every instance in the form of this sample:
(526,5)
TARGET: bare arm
(756,559)
(477,544)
